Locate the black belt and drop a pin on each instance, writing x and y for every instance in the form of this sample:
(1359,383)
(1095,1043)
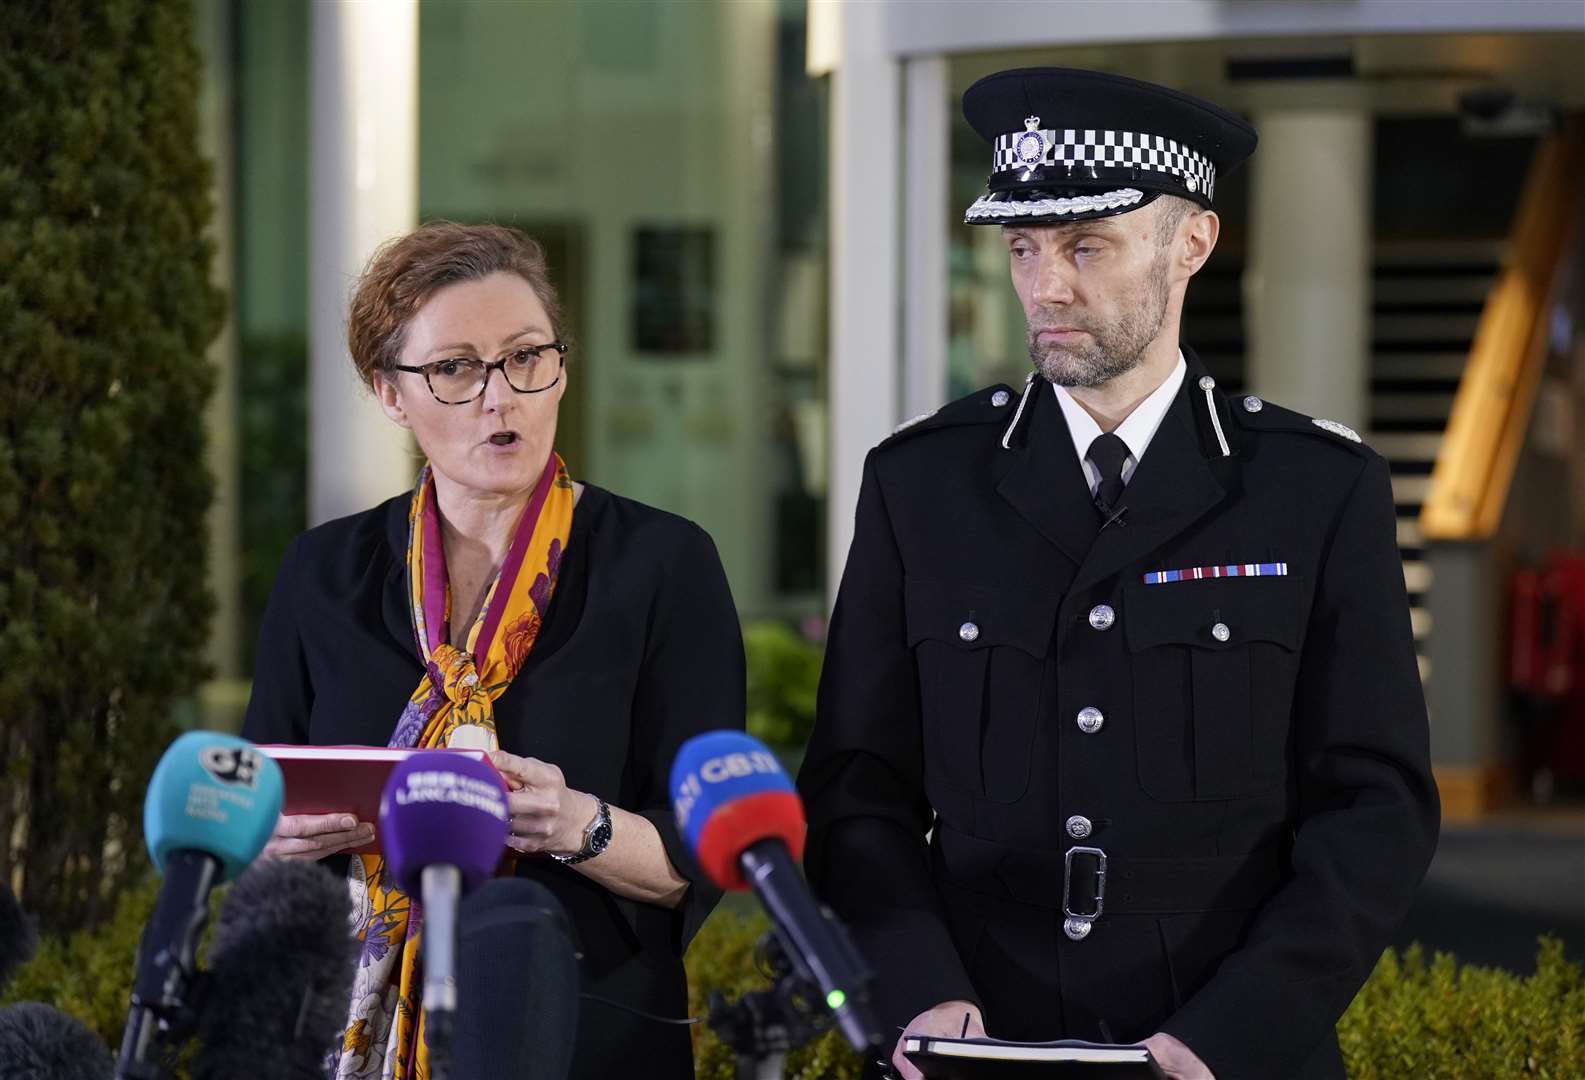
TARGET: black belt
(1086,881)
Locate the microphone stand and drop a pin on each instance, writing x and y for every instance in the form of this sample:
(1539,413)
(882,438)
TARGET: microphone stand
(763,1025)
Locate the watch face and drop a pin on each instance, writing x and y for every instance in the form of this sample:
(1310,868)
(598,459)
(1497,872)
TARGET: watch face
(600,836)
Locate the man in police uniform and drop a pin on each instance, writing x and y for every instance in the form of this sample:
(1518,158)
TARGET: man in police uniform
(1120,735)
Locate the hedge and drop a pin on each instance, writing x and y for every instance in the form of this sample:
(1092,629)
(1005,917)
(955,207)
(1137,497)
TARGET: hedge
(1432,1019)
(106,310)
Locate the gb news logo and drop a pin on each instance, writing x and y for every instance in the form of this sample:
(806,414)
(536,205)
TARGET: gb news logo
(720,770)
(237,766)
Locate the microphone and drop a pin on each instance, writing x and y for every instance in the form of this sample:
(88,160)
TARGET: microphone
(744,823)
(281,967)
(211,805)
(517,990)
(444,821)
(38,1041)
(17,937)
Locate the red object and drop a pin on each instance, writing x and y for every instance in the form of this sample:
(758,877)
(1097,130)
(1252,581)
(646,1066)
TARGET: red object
(344,780)
(769,815)
(1524,626)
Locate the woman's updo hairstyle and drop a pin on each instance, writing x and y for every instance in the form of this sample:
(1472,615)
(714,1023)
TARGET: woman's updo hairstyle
(404,273)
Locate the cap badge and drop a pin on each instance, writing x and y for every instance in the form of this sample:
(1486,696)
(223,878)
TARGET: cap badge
(1031,146)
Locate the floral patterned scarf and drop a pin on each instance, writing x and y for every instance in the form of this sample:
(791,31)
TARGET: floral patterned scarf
(453,706)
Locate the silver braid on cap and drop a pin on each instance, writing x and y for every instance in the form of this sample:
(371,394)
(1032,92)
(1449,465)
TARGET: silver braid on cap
(1029,383)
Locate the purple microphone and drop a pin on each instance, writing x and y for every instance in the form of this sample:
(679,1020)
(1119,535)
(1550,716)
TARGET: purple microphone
(443,820)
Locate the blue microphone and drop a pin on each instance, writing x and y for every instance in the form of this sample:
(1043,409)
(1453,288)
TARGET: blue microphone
(743,822)
(211,806)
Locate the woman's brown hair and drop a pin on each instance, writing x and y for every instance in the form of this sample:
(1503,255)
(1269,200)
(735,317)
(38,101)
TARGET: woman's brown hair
(405,272)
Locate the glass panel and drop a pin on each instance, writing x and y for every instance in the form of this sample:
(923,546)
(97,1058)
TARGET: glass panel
(670,157)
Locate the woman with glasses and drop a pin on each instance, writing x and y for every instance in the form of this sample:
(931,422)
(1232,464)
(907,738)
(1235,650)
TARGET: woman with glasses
(577,636)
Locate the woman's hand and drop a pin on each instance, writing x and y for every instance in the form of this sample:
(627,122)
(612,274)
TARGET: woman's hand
(314,836)
(548,817)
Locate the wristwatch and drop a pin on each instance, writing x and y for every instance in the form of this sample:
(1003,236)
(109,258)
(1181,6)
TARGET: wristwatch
(595,837)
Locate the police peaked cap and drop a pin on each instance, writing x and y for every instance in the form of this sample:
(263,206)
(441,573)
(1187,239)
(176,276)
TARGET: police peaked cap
(1070,145)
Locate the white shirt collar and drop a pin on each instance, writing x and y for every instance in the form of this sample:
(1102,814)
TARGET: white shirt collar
(1136,430)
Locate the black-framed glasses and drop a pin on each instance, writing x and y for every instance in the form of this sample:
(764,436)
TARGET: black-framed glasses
(528,369)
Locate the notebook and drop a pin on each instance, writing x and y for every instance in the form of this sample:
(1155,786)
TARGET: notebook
(343,779)
(992,1059)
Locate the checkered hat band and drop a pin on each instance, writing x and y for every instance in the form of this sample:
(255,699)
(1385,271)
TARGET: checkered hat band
(1023,150)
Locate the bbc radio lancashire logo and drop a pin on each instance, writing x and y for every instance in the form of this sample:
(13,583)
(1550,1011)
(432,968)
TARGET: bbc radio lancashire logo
(237,766)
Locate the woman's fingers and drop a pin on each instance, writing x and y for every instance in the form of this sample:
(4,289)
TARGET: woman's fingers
(290,848)
(311,825)
(302,836)
(526,770)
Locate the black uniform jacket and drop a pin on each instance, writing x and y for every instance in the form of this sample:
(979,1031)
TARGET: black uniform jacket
(1258,779)
(639,650)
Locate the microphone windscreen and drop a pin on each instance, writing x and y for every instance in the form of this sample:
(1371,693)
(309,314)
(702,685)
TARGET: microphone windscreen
(447,809)
(729,792)
(213,793)
(517,983)
(38,1041)
(17,937)
(280,975)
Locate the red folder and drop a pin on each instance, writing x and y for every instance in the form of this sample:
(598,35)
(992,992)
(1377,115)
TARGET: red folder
(343,780)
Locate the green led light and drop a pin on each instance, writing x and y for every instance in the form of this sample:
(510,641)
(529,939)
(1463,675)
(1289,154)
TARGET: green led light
(836,999)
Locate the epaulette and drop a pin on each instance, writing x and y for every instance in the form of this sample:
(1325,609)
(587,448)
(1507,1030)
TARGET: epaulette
(985,406)
(1257,414)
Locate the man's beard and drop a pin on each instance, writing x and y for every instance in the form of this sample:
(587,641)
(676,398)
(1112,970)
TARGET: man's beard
(1111,350)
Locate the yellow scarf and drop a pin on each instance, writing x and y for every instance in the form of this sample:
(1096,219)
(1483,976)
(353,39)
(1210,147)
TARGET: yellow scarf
(453,706)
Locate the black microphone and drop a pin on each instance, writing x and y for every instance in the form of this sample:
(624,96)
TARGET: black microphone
(744,824)
(17,937)
(280,975)
(517,983)
(38,1042)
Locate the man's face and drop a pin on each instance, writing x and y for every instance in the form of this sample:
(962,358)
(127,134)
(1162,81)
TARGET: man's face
(1095,293)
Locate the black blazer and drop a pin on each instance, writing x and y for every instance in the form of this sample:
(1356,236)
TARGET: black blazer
(640,650)
(1250,753)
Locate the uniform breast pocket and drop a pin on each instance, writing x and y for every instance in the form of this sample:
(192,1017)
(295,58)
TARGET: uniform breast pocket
(981,655)
(1214,664)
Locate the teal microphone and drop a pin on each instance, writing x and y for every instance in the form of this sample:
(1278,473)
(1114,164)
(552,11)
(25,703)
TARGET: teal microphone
(211,806)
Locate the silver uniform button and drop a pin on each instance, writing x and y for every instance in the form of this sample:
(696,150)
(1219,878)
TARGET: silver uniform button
(1076,929)
(1207,383)
(1090,719)
(1253,404)
(1220,632)
(1079,827)
(1192,183)
(1102,617)
(1000,398)
(969,632)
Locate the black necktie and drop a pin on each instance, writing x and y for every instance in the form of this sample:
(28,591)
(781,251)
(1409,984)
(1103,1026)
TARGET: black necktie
(1107,453)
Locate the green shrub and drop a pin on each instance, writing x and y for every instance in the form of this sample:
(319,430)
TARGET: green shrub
(722,958)
(1440,1021)
(783,679)
(1432,1020)
(89,974)
(106,309)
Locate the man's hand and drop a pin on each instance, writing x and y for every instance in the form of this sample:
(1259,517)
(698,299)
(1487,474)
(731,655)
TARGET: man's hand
(945,1019)
(1175,1059)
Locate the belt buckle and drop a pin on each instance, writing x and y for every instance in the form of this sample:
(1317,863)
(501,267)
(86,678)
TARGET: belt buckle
(1077,923)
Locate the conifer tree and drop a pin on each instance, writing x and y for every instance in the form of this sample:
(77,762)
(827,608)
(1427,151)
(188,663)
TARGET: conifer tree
(106,308)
